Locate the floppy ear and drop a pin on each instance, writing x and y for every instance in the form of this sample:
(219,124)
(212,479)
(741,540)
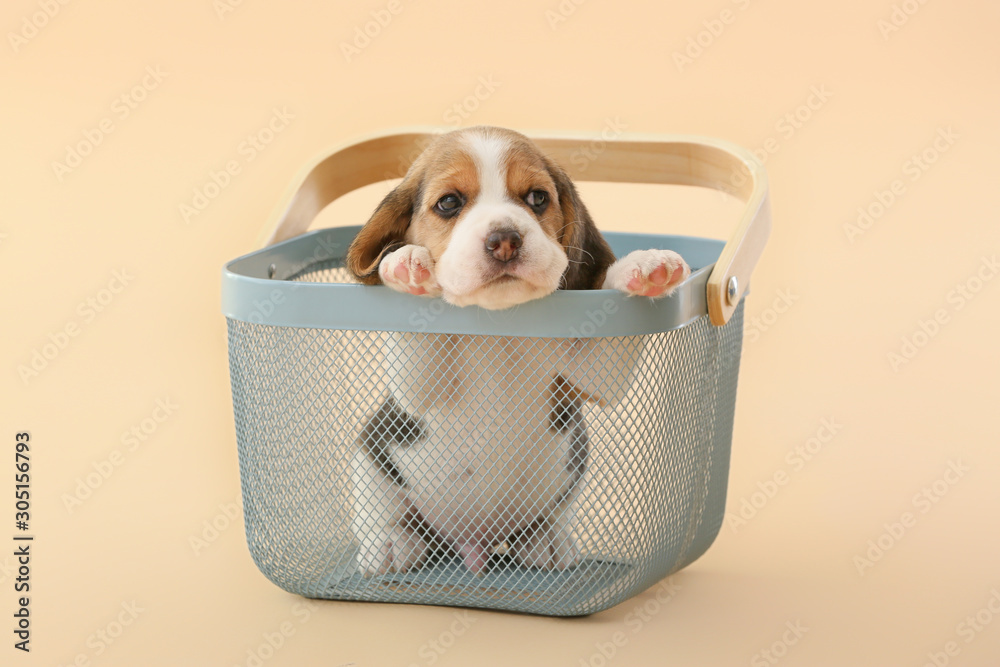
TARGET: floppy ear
(589,254)
(383,232)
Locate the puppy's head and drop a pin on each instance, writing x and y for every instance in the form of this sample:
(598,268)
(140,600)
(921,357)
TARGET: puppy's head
(502,222)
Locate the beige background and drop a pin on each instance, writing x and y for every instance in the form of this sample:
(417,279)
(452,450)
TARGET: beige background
(854,298)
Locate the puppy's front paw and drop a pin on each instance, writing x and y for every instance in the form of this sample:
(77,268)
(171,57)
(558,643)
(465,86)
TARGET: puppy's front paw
(651,273)
(397,550)
(545,548)
(410,269)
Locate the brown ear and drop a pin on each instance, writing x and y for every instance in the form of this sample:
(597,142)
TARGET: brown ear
(383,232)
(589,254)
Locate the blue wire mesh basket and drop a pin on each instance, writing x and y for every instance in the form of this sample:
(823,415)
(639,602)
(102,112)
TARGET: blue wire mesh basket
(624,490)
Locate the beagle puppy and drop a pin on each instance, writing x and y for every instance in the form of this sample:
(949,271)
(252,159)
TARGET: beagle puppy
(479,443)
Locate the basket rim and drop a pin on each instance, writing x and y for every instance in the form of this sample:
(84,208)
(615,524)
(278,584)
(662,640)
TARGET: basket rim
(255,290)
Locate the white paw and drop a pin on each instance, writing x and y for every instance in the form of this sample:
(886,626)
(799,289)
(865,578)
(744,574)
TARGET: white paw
(546,549)
(396,550)
(410,269)
(651,273)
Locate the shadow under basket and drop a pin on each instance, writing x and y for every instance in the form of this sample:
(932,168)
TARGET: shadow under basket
(642,472)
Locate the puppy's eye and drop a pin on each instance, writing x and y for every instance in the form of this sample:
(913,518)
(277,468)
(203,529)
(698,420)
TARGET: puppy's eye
(538,200)
(448,205)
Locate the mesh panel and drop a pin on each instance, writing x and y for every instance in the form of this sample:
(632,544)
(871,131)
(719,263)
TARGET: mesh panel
(551,476)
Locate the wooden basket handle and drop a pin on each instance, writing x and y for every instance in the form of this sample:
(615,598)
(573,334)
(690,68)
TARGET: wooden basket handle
(666,160)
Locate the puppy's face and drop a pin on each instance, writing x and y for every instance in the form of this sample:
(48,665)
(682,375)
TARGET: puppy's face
(489,215)
(502,223)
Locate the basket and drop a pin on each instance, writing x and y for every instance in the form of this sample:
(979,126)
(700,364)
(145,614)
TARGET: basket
(572,516)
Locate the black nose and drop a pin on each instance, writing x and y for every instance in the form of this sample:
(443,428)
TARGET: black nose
(503,244)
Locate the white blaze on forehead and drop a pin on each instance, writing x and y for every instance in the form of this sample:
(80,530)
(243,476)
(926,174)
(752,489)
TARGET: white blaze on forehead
(465,270)
(489,152)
